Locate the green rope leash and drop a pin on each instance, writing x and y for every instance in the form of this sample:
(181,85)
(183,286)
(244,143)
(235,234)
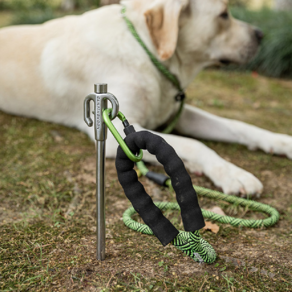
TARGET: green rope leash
(237,222)
(191,243)
(252,205)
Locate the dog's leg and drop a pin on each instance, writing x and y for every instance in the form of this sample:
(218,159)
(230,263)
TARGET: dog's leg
(200,124)
(200,158)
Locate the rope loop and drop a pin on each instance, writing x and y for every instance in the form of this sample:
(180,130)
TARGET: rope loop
(188,241)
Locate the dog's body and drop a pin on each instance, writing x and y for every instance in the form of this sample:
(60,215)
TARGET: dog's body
(47,70)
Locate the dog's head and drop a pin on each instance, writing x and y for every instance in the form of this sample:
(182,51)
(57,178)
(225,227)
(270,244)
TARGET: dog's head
(201,29)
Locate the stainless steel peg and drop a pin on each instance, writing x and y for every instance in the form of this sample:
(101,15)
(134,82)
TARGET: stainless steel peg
(99,98)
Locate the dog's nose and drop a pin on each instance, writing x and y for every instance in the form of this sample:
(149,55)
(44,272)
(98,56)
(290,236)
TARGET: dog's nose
(259,35)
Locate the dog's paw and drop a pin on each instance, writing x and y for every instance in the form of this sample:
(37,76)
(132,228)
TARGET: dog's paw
(234,180)
(279,144)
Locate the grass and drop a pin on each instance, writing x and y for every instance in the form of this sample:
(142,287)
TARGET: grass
(18,12)
(47,209)
(275,54)
(34,16)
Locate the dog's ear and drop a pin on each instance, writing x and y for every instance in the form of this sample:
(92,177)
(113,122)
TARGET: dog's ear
(162,19)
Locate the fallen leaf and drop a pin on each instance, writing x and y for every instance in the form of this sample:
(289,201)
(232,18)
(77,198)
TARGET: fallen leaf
(212,227)
(236,262)
(253,270)
(217,210)
(86,177)
(57,136)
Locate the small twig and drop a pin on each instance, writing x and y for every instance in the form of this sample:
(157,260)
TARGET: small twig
(202,285)
(37,246)
(74,203)
(76,191)
(84,200)
(89,216)
(109,280)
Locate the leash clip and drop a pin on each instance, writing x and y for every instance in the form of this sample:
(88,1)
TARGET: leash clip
(128,130)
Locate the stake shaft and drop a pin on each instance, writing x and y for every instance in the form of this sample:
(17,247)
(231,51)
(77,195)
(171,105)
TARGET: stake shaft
(100,206)
(100,98)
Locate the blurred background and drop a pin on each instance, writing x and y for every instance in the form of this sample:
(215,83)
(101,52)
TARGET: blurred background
(274,17)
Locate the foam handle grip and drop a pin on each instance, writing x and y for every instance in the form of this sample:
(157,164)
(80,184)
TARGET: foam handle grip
(181,182)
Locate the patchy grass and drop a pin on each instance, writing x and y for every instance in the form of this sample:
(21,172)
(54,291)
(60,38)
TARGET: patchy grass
(47,210)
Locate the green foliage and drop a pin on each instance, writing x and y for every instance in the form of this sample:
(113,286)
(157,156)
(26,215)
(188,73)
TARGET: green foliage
(3,5)
(30,11)
(33,17)
(86,4)
(239,3)
(40,11)
(275,55)
(20,5)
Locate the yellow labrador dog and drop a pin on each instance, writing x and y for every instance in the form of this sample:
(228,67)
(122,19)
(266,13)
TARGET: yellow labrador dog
(47,70)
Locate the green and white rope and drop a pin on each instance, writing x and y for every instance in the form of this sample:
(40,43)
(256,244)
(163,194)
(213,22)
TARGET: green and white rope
(237,222)
(191,243)
(211,194)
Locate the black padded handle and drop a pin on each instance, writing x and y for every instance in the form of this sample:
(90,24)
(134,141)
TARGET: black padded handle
(185,194)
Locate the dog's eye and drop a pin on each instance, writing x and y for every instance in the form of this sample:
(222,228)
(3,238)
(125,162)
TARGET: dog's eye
(224,15)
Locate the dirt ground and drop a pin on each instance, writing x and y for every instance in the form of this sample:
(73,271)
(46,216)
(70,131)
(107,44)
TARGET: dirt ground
(47,210)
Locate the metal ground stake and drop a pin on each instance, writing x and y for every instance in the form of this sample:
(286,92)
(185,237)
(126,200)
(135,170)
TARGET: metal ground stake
(100,97)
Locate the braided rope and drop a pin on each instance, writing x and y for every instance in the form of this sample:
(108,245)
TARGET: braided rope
(191,243)
(255,206)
